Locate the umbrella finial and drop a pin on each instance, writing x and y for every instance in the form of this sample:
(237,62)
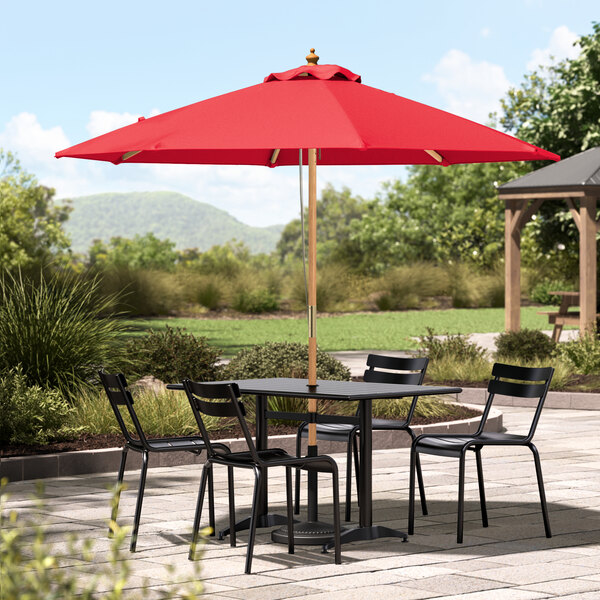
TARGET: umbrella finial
(312,58)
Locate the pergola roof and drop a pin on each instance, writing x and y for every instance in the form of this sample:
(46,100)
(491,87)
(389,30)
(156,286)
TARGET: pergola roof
(579,173)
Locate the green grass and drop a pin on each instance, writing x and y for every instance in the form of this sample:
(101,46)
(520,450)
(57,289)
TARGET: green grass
(374,331)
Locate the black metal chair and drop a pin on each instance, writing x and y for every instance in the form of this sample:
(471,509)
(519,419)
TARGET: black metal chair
(257,460)
(120,398)
(406,371)
(521,385)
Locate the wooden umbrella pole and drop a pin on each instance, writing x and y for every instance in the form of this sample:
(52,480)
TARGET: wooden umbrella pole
(312,287)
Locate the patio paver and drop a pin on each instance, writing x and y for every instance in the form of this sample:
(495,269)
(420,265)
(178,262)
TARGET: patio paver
(510,560)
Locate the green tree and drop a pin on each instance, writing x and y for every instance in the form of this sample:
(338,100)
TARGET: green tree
(440,214)
(141,252)
(335,213)
(30,223)
(558,108)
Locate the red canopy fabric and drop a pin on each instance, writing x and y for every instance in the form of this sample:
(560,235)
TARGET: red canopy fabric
(314,106)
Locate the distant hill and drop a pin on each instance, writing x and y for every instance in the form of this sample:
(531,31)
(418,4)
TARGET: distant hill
(183,220)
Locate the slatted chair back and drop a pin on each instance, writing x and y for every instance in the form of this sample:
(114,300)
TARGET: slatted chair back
(524,382)
(120,399)
(230,407)
(406,370)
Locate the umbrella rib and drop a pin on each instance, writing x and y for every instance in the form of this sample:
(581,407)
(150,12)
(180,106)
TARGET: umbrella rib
(435,155)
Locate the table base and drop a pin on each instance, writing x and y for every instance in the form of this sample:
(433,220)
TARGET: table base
(262,521)
(309,533)
(359,534)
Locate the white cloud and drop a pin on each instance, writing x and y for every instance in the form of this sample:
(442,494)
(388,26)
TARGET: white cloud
(559,47)
(255,195)
(470,89)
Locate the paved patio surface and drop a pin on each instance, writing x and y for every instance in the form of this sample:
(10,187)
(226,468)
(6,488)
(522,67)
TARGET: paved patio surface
(511,559)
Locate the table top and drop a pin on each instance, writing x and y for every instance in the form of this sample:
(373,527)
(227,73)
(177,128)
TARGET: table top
(565,294)
(332,390)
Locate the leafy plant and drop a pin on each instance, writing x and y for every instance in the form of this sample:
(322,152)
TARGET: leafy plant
(525,344)
(173,355)
(282,359)
(454,346)
(30,413)
(255,301)
(582,354)
(540,294)
(59,329)
(33,569)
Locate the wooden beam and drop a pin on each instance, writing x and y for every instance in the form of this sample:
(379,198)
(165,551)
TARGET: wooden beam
(312,287)
(549,195)
(587,265)
(529,212)
(275,155)
(435,155)
(512,265)
(574,213)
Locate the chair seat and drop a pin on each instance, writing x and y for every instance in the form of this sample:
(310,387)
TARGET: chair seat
(278,457)
(331,431)
(388,424)
(441,445)
(192,444)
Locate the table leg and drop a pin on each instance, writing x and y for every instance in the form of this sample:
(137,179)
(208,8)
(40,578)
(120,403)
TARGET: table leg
(366,530)
(264,519)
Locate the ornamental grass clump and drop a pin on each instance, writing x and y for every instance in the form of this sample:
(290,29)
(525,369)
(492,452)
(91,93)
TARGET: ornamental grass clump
(59,329)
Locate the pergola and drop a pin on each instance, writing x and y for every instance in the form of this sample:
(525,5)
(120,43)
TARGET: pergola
(575,180)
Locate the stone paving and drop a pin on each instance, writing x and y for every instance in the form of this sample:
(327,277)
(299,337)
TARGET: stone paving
(511,559)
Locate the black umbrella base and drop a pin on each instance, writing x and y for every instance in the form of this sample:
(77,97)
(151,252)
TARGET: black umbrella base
(309,533)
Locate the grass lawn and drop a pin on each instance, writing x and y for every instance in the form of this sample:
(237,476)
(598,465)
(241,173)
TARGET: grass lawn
(373,331)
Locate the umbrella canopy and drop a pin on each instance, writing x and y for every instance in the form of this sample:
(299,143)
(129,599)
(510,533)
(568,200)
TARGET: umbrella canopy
(314,106)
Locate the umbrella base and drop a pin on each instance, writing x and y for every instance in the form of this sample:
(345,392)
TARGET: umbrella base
(308,533)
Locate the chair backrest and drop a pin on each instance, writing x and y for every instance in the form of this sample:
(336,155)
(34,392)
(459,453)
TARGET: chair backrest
(401,370)
(524,382)
(120,397)
(230,407)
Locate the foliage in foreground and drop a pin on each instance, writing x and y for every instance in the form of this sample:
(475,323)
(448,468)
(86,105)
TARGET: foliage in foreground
(456,347)
(58,329)
(582,354)
(525,344)
(31,414)
(32,569)
(173,355)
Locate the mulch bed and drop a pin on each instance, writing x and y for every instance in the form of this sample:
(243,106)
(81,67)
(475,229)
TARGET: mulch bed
(115,440)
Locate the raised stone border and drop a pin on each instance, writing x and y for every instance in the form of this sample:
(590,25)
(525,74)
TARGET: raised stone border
(573,400)
(106,460)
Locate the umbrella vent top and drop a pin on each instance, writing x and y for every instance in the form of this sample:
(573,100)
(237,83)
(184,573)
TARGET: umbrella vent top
(313,71)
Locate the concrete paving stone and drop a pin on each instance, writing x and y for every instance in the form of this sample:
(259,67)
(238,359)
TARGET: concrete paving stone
(273,592)
(535,573)
(560,587)
(391,592)
(351,581)
(458,583)
(503,594)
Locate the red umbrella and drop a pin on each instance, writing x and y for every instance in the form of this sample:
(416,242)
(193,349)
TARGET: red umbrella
(324,107)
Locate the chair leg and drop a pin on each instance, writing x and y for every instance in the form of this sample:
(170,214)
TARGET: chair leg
(421,485)
(411,492)
(253,518)
(115,502)
(484,517)
(461,499)
(290,511)
(140,499)
(356,466)
(336,519)
(196,527)
(211,502)
(298,472)
(348,479)
(231,489)
(538,472)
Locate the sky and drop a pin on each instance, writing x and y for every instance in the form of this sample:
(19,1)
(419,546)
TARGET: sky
(74,70)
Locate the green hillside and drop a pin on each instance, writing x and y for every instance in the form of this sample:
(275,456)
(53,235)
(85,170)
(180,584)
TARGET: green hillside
(188,223)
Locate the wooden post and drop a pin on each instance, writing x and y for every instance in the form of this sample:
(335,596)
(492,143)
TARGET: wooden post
(587,264)
(312,287)
(512,264)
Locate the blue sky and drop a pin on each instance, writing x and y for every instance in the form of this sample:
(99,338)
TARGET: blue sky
(72,70)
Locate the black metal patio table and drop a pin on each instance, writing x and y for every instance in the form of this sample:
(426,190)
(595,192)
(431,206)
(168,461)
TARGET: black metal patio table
(313,532)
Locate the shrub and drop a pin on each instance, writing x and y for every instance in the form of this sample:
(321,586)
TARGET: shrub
(582,354)
(30,413)
(453,346)
(142,292)
(526,344)
(33,569)
(405,287)
(470,289)
(282,359)
(205,290)
(255,301)
(173,355)
(161,414)
(59,329)
(540,294)
(333,288)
